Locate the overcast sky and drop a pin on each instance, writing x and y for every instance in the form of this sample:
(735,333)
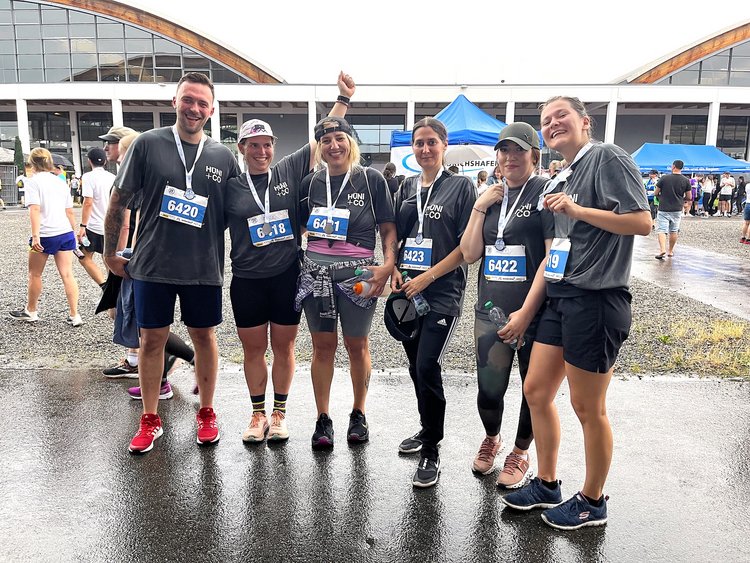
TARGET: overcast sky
(472,42)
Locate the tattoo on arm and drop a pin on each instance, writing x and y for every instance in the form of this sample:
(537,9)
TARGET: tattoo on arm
(118,202)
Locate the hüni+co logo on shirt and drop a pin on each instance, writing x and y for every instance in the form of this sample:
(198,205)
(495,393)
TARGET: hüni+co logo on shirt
(357,200)
(214,174)
(281,189)
(524,211)
(434,212)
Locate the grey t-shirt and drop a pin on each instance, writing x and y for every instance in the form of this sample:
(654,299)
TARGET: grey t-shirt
(356,197)
(604,178)
(528,226)
(673,188)
(168,251)
(446,216)
(249,261)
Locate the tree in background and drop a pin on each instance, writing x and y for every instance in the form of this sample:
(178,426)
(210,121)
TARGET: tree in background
(18,155)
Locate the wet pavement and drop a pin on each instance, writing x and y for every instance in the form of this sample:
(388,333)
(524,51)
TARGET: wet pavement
(679,483)
(709,277)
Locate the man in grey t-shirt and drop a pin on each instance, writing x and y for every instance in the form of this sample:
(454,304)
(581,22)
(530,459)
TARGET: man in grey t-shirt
(672,190)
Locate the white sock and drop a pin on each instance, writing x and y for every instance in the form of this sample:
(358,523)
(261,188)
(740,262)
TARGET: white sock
(133,359)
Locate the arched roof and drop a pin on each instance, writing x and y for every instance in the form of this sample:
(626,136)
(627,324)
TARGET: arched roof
(703,48)
(172,30)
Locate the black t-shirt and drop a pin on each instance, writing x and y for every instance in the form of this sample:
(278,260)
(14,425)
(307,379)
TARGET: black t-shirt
(168,251)
(361,196)
(673,188)
(529,227)
(248,260)
(445,219)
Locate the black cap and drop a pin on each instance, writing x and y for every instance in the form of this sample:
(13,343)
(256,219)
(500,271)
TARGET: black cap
(97,156)
(331,125)
(520,133)
(400,317)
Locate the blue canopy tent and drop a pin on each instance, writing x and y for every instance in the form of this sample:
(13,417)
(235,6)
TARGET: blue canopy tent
(697,158)
(466,123)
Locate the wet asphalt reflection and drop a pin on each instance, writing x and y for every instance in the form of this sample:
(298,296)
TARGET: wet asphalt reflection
(679,483)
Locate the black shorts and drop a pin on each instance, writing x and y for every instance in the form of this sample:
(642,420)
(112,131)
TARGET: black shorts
(96,242)
(727,197)
(256,302)
(590,328)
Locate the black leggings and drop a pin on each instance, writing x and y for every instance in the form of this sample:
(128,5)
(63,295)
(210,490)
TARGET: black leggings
(425,355)
(175,346)
(494,362)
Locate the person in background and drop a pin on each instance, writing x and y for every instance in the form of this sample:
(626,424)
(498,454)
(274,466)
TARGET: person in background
(343,207)
(707,190)
(52,234)
(739,194)
(672,190)
(482,182)
(496,177)
(432,211)
(746,213)
(726,189)
(112,142)
(96,186)
(653,201)
(512,237)
(554,168)
(601,206)
(389,173)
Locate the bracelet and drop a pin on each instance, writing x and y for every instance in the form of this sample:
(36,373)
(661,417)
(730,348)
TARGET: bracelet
(480,211)
(343,100)
(82,225)
(433,277)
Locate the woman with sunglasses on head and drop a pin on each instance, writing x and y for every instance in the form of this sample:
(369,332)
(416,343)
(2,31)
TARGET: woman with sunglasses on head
(511,236)
(600,206)
(343,207)
(432,211)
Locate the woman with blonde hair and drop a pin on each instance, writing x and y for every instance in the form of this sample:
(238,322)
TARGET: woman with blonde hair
(52,234)
(344,207)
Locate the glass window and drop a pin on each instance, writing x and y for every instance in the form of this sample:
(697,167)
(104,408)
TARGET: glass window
(82,46)
(112,74)
(6,32)
(80,17)
(229,131)
(740,63)
(6,16)
(7,61)
(194,60)
(56,46)
(8,76)
(717,62)
(82,30)
(168,74)
(686,77)
(29,47)
(57,74)
(26,16)
(167,61)
(111,45)
(28,31)
(139,46)
(715,77)
(30,61)
(25,5)
(83,60)
(85,75)
(50,31)
(139,121)
(166,119)
(57,61)
(165,46)
(743,49)
(110,30)
(111,59)
(30,76)
(54,15)
(7,48)
(740,78)
(135,33)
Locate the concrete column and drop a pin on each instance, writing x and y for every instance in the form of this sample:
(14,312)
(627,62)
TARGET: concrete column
(22,115)
(117,112)
(410,114)
(216,122)
(312,118)
(667,129)
(75,141)
(510,112)
(609,133)
(712,128)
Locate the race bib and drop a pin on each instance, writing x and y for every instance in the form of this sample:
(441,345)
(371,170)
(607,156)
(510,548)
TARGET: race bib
(417,256)
(335,229)
(176,207)
(506,265)
(277,229)
(558,257)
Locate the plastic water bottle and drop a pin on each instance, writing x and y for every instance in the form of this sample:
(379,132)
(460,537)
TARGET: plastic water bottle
(363,273)
(420,303)
(85,241)
(362,288)
(498,318)
(77,252)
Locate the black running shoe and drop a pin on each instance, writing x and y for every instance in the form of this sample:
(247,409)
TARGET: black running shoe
(323,436)
(358,431)
(427,472)
(412,444)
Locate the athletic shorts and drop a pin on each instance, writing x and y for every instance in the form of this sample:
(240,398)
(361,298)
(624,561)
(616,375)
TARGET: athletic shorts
(668,221)
(256,302)
(96,242)
(200,305)
(725,197)
(746,212)
(355,321)
(53,245)
(590,328)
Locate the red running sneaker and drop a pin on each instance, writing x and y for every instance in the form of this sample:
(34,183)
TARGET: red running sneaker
(208,430)
(150,430)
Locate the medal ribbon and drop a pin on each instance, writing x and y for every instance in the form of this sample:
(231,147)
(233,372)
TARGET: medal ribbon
(188,173)
(421,210)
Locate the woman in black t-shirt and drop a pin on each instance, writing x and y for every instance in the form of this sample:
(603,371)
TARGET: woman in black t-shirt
(512,236)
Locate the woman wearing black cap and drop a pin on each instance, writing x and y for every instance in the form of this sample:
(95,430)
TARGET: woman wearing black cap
(261,208)
(511,236)
(345,206)
(432,211)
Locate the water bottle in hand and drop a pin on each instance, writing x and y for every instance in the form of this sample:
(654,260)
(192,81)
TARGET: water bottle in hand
(420,303)
(498,318)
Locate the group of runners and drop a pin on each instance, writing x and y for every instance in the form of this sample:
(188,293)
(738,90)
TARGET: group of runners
(555,257)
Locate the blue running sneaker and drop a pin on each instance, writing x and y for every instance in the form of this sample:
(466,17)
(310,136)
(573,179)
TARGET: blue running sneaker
(534,495)
(576,513)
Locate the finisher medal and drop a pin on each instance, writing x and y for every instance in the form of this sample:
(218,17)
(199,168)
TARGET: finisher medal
(499,244)
(328,229)
(266,228)
(189,193)
(419,238)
